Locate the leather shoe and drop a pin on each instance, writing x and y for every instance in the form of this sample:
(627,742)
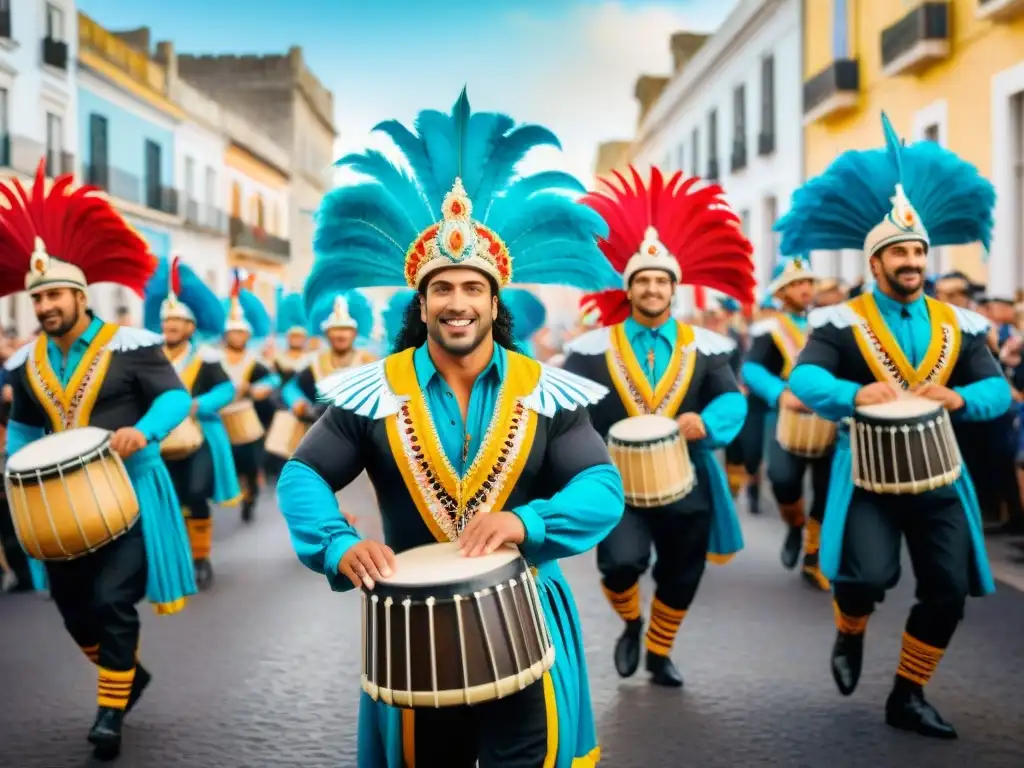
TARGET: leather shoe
(754,498)
(907,710)
(847,660)
(792,546)
(142,678)
(663,671)
(627,649)
(105,735)
(204,574)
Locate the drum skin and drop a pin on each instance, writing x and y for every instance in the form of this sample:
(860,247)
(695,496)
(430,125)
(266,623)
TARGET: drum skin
(242,423)
(652,459)
(284,435)
(184,440)
(64,511)
(804,434)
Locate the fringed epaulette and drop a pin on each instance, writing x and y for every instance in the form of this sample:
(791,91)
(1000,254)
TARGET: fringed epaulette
(210,354)
(129,339)
(591,343)
(764,327)
(19,357)
(971,322)
(711,343)
(838,315)
(558,389)
(364,391)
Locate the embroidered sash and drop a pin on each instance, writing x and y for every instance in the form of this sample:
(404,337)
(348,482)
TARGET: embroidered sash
(187,367)
(71,407)
(887,360)
(790,341)
(635,389)
(445,501)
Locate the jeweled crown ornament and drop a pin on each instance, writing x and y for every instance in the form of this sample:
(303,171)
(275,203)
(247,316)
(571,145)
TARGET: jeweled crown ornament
(652,254)
(40,258)
(903,213)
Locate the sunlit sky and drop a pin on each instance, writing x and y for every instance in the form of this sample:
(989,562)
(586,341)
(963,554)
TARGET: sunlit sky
(567,64)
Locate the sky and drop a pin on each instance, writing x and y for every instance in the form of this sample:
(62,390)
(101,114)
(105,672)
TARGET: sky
(567,64)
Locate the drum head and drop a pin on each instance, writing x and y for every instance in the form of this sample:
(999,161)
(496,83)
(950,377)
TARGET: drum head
(639,429)
(57,448)
(238,405)
(904,408)
(439,564)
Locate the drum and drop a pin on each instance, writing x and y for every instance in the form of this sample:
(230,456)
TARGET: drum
(182,441)
(904,446)
(447,630)
(652,457)
(69,494)
(242,423)
(285,434)
(804,434)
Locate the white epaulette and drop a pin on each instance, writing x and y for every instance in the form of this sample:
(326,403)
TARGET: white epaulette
(210,354)
(595,342)
(129,339)
(711,343)
(971,322)
(763,327)
(20,355)
(558,389)
(364,390)
(838,315)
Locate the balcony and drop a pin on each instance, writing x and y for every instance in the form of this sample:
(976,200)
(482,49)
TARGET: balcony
(131,189)
(206,218)
(765,143)
(55,53)
(712,174)
(834,90)
(738,158)
(5,23)
(257,242)
(22,155)
(999,10)
(916,41)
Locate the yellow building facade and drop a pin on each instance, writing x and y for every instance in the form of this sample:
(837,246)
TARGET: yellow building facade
(951,72)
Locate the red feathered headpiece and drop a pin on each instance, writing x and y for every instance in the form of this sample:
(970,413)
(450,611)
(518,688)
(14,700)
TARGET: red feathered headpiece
(67,237)
(676,225)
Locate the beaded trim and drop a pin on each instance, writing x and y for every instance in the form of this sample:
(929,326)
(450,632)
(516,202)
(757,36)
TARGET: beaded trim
(67,409)
(682,377)
(888,364)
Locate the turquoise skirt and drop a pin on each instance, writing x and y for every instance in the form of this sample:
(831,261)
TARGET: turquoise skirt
(226,490)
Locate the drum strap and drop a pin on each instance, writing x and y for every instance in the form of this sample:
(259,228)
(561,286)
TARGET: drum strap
(790,340)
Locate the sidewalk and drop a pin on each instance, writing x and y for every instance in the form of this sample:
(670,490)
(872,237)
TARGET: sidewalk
(1006,554)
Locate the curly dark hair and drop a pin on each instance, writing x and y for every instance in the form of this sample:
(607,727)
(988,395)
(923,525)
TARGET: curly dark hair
(414,330)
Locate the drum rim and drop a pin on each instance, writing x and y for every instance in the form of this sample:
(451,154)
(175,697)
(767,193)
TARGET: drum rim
(57,467)
(238,405)
(670,423)
(860,415)
(446,592)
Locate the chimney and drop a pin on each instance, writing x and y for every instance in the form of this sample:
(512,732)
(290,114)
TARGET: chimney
(648,89)
(166,56)
(684,46)
(137,38)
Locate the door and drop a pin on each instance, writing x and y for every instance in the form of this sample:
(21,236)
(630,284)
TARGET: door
(153,182)
(99,164)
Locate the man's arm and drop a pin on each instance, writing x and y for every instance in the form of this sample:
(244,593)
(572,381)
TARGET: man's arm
(762,369)
(329,457)
(726,407)
(159,388)
(27,421)
(978,379)
(262,377)
(218,391)
(814,380)
(589,500)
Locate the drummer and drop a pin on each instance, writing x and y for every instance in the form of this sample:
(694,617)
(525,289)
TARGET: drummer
(128,387)
(289,356)
(541,477)
(248,318)
(775,345)
(180,304)
(666,367)
(866,351)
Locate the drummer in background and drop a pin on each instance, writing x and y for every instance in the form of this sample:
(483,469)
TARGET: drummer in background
(658,365)
(288,356)
(723,316)
(934,350)
(248,318)
(181,306)
(456,399)
(955,288)
(65,240)
(775,344)
(830,291)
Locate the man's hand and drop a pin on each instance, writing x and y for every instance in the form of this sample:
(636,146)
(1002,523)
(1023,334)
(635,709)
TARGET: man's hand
(951,400)
(791,402)
(126,441)
(879,392)
(366,562)
(195,407)
(259,392)
(692,426)
(350,518)
(299,408)
(485,533)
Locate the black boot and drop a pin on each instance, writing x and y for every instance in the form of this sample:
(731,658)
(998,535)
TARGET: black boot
(248,505)
(792,546)
(142,678)
(627,648)
(663,671)
(847,660)
(907,710)
(105,735)
(754,497)
(204,573)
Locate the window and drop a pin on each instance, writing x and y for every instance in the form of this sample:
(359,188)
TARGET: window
(739,128)
(54,22)
(680,157)
(840,38)
(211,187)
(190,179)
(712,173)
(771,213)
(236,200)
(5,125)
(745,222)
(695,152)
(98,172)
(768,96)
(54,144)
(154,182)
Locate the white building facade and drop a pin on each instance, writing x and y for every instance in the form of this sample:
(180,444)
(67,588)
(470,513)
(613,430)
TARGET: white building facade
(38,103)
(732,113)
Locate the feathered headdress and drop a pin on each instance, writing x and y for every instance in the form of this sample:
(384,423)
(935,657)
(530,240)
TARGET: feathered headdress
(528,312)
(350,309)
(291,315)
(393,315)
(66,238)
(463,205)
(245,311)
(677,226)
(176,291)
(866,200)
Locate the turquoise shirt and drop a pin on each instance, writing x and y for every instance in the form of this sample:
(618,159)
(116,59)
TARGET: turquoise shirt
(64,366)
(909,324)
(762,382)
(661,341)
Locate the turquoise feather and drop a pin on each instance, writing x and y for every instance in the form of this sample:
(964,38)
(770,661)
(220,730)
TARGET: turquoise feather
(528,312)
(195,294)
(359,308)
(290,313)
(394,313)
(255,313)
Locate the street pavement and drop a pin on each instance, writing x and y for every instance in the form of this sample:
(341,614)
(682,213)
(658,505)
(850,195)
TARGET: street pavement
(263,671)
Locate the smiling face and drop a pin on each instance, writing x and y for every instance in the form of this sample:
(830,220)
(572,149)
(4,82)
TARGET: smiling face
(650,292)
(798,295)
(58,309)
(459,309)
(899,268)
(176,330)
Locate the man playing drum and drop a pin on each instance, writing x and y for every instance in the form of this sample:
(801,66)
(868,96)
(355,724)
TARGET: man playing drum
(657,365)
(83,372)
(464,439)
(802,440)
(180,304)
(891,349)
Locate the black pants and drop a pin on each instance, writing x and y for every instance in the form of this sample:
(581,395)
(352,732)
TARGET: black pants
(248,458)
(786,474)
(507,733)
(193,481)
(12,547)
(96,596)
(751,435)
(939,540)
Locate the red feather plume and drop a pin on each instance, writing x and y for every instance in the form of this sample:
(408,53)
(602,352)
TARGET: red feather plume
(175,276)
(78,226)
(694,223)
(236,284)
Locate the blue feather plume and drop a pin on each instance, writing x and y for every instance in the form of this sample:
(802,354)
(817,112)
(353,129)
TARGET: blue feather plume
(394,313)
(363,231)
(290,313)
(255,312)
(528,312)
(359,308)
(837,209)
(195,294)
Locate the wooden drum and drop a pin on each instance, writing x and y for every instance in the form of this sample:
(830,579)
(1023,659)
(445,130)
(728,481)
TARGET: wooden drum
(905,446)
(242,423)
(69,494)
(447,630)
(652,457)
(285,434)
(804,434)
(182,441)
